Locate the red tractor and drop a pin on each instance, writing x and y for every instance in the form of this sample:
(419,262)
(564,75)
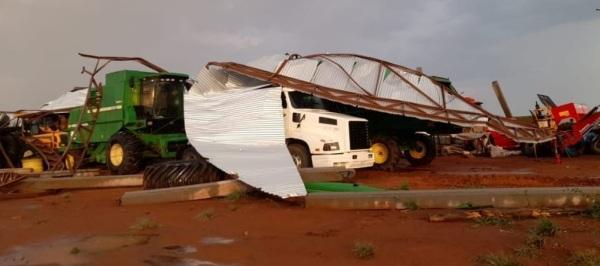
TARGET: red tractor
(577,127)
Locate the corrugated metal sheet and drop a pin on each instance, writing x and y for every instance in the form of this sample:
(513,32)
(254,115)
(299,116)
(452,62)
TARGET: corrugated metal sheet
(68,100)
(377,84)
(241,131)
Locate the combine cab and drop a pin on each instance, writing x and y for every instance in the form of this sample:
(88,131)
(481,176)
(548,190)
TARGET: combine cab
(135,116)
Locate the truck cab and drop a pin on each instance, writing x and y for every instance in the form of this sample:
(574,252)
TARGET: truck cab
(319,138)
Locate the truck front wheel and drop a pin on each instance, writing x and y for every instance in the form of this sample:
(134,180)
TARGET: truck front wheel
(421,151)
(124,154)
(386,152)
(300,155)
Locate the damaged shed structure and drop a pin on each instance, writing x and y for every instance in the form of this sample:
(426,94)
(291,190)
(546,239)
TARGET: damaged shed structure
(238,107)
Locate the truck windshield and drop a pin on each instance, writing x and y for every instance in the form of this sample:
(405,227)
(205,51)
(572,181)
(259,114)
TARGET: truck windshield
(302,100)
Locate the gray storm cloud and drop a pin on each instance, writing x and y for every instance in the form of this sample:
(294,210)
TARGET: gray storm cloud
(540,46)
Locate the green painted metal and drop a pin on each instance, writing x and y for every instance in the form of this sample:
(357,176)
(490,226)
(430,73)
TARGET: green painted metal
(121,102)
(315,187)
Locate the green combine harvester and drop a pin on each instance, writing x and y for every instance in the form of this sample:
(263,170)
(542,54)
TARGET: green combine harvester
(134,117)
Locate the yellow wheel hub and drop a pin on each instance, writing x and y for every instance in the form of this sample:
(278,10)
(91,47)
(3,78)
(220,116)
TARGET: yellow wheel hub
(418,151)
(116,154)
(381,152)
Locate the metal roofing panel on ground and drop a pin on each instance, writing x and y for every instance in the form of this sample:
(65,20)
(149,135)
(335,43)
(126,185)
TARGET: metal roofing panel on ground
(241,131)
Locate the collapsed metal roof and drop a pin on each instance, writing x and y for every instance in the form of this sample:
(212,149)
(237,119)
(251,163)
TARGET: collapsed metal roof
(71,99)
(378,85)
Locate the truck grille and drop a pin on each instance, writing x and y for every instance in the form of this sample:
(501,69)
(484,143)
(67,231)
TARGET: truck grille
(359,136)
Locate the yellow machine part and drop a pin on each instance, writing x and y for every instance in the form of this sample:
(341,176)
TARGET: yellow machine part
(116,154)
(381,152)
(34,163)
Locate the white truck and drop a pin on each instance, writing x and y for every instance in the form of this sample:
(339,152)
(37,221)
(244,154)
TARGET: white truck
(318,138)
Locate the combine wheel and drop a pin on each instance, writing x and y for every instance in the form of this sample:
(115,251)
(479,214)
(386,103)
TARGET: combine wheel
(421,151)
(386,152)
(181,173)
(124,154)
(300,155)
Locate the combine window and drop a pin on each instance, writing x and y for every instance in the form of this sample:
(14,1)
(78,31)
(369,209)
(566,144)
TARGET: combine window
(163,97)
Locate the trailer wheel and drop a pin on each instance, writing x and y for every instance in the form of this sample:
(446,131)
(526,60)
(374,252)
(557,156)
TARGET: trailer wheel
(300,155)
(421,151)
(124,154)
(181,173)
(595,145)
(386,152)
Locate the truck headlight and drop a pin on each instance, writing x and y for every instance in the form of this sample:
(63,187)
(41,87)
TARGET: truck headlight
(334,146)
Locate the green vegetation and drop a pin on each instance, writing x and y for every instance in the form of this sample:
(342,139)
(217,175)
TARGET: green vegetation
(545,227)
(493,220)
(594,210)
(589,257)
(205,215)
(405,185)
(497,260)
(235,196)
(411,205)
(144,224)
(363,250)
(75,251)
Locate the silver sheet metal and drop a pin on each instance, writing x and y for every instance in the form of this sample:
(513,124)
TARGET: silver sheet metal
(241,131)
(381,86)
(66,101)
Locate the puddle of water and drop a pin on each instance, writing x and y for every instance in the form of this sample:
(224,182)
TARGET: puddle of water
(216,241)
(69,251)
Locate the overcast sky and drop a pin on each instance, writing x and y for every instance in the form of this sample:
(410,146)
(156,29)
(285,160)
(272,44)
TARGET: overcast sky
(534,46)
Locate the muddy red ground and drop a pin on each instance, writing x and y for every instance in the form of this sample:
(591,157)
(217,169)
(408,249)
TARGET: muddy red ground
(267,232)
(517,171)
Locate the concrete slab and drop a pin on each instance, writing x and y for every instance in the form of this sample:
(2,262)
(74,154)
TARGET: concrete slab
(184,193)
(556,197)
(43,184)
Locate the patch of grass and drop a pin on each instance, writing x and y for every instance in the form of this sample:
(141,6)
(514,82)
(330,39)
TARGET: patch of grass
(497,260)
(405,185)
(546,227)
(466,206)
(363,250)
(144,224)
(589,257)
(532,247)
(235,196)
(75,251)
(493,220)
(205,215)
(594,210)
(411,205)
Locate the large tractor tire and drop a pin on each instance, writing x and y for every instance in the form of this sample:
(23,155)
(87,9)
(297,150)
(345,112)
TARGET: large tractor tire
(189,153)
(300,154)
(124,154)
(421,150)
(181,173)
(595,145)
(386,152)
